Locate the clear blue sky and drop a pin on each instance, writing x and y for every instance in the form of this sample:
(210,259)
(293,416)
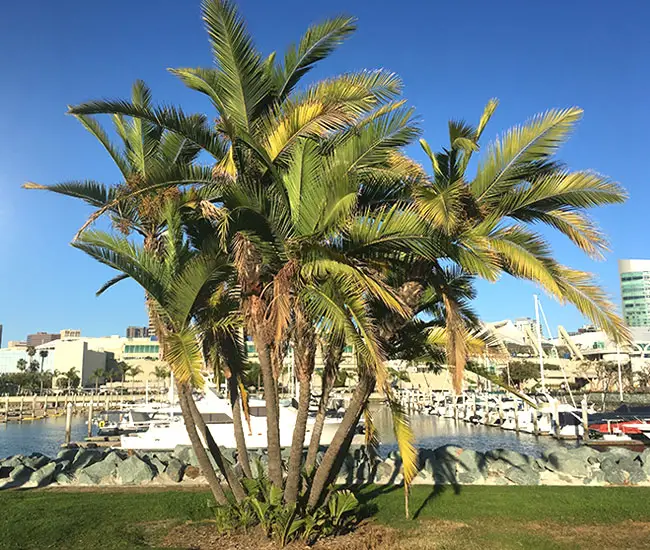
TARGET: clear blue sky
(452,57)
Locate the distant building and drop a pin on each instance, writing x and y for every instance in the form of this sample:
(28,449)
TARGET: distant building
(70,333)
(41,338)
(635,291)
(151,328)
(16,344)
(137,332)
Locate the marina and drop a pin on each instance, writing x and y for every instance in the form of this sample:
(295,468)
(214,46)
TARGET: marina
(47,435)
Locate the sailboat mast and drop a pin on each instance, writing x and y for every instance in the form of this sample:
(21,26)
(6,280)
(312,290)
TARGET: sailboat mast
(538,327)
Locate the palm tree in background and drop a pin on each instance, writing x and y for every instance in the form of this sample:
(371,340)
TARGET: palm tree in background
(43,354)
(98,375)
(33,365)
(123,368)
(21,365)
(133,372)
(72,378)
(161,373)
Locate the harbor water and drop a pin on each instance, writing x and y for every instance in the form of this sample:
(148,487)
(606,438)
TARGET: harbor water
(46,436)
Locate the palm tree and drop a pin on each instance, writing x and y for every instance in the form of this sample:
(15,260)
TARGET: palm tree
(72,378)
(133,372)
(43,353)
(518,183)
(123,368)
(261,120)
(161,373)
(174,286)
(21,365)
(98,375)
(324,219)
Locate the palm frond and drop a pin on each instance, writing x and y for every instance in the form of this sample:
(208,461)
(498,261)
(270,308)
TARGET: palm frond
(90,191)
(488,111)
(245,86)
(182,351)
(93,126)
(535,141)
(108,284)
(193,127)
(317,43)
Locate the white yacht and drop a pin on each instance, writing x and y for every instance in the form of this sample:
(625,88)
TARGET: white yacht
(217,413)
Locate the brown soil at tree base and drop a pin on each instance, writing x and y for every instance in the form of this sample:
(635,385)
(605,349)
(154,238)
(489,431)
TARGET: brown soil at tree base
(426,535)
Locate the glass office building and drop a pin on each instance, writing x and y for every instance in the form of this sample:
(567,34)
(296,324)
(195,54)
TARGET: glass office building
(635,291)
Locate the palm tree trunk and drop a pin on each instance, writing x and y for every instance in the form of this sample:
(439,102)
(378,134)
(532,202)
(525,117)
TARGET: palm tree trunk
(235,401)
(314,442)
(184,392)
(332,352)
(304,344)
(338,449)
(272,410)
(222,464)
(297,443)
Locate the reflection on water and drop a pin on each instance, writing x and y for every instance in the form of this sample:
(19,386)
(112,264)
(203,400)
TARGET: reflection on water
(45,436)
(433,431)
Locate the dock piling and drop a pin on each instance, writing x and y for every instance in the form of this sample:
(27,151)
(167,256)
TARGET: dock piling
(556,419)
(68,423)
(90,418)
(585,419)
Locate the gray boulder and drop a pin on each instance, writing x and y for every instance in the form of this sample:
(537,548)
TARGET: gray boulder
(35,461)
(644,457)
(63,479)
(174,470)
(13,461)
(471,461)
(17,477)
(97,472)
(5,471)
(186,454)
(83,478)
(113,458)
(585,453)
(158,465)
(66,454)
(43,476)
(513,458)
(163,456)
(62,465)
(497,467)
(615,477)
(134,470)
(385,470)
(85,457)
(608,463)
(470,477)
(637,476)
(629,464)
(572,466)
(522,475)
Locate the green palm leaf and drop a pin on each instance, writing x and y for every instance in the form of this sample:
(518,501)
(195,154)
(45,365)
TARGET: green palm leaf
(535,141)
(316,44)
(245,87)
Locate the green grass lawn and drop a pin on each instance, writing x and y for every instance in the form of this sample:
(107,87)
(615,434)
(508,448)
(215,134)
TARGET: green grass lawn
(474,517)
